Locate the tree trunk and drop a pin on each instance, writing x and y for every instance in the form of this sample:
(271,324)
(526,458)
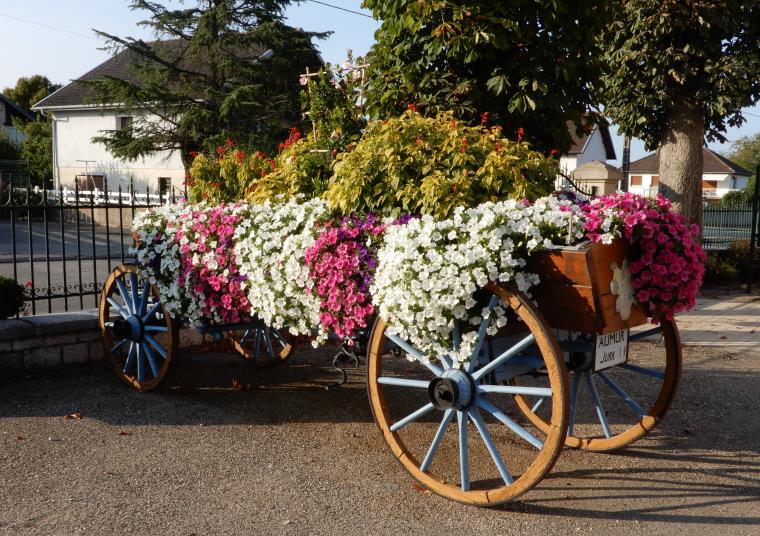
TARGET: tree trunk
(681,160)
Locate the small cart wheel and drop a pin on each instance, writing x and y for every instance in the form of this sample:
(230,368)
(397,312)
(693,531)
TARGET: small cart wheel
(138,336)
(612,408)
(414,403)
(264,346)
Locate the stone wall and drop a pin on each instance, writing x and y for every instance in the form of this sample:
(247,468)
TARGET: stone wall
(46,341)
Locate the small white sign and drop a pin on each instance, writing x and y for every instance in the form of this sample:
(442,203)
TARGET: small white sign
(611,349)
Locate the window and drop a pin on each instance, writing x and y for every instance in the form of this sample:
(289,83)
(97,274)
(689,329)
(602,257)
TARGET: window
(164,186)
(655,180)
(90,182)
(709,185)
(635,180)
(123,122)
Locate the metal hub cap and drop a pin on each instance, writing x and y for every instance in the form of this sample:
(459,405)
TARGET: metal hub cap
(452,389)
(131,328)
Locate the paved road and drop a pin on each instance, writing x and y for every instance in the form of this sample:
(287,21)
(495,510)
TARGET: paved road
(56,244)
(288,457)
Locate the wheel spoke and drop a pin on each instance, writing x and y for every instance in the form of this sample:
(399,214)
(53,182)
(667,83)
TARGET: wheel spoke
(150,314)
(278,336)
(411,350)
(464,455)
(424,410)
(622,394)
(492,450)
(157,329)
(244,338)
(643,370)
(573,399)
(130,358)
(135,292)
(116,305)
(512,425)
(144,298)
(140,364)
(119,345)
(268,343)
(481,334)
(537,405)
(448,416)
(516,390)
(257,344)
(125,295)
(151,360)
(598,404)
(155,344)
(499,360)
(644,334)
(403,382)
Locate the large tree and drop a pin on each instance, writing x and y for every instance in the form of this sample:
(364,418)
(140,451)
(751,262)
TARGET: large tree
(677,72)
(209,76)
(38,148)
(30,90)
(527,63)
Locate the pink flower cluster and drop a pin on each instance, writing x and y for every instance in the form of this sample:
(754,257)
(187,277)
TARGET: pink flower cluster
(667,261)
(341,262)
(208,263)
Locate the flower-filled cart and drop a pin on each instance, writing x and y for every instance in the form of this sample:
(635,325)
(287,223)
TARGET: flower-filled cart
(498,335)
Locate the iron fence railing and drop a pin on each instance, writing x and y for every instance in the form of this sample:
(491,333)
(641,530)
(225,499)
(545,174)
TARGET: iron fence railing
(63,243)
(725,223)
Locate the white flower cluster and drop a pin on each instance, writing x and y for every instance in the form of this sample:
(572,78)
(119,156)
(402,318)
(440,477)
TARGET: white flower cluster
(270,246)
(429,271)
(158,256)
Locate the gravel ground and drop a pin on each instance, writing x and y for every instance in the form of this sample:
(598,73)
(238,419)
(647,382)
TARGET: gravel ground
(286,456)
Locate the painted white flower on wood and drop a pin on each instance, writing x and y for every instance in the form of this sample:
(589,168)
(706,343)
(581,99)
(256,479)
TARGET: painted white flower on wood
(621,287)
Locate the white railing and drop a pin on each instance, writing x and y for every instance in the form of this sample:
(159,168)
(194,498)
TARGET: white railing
(99,197)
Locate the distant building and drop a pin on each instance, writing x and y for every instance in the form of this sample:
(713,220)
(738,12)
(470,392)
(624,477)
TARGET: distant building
(594,144)
(719,175)
(8,111)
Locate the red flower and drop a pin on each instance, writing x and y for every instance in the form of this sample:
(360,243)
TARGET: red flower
(498,146)
(463,145)
(29,284)
(413,108)
(520,134)
(230,142)
(554,152)
(193,153)
(483,118)
(239,155)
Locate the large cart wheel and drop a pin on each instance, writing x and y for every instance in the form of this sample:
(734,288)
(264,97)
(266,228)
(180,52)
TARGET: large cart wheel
(613,408)
(263,346)
(487,458)
(138,336)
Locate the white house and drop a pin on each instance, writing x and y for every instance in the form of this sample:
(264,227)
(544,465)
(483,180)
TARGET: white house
(594,144)
(76,120)
(8,111)
(719,175)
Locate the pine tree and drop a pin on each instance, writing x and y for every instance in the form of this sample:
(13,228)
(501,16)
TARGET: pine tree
(224,69)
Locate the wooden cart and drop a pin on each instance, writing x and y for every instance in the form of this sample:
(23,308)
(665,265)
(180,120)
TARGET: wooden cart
(537,385)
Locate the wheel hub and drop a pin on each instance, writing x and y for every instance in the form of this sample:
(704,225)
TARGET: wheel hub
(131,328)
(453,389)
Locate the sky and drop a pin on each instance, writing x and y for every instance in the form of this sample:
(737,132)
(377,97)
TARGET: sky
(55,38)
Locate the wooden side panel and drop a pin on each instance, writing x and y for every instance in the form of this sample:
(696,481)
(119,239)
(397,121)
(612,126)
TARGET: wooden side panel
(567,306)
(568,267)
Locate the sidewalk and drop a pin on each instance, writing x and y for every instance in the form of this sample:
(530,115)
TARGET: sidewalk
(727,319)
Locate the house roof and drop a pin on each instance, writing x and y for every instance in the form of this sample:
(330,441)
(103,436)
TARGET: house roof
(712,163)
(579,143)
(76,94)
(16,108)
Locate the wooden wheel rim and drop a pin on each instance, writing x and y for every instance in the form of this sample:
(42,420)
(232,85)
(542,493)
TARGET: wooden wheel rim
(552,445)
(267,355)
(638,429)
(110,287)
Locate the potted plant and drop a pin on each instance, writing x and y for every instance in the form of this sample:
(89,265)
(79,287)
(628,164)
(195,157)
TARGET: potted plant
(12,297)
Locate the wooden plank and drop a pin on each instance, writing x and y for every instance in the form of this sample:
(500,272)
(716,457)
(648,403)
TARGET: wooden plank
(568,306)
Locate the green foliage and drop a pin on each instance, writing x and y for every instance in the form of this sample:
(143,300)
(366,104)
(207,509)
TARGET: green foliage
(225,176)
(719,270)
(12,297)
(528,64)
(207,80)
(745,151)
(38,149)
(29,90)
(738,256)
(662,55)
(417,164)
(302,168)
(8,149)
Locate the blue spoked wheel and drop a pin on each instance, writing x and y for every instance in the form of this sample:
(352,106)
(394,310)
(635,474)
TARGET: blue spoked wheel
(138,337)
(263,346)
(612,408)
(456,430)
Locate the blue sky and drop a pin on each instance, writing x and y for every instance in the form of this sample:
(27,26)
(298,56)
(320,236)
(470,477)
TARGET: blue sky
(62,46)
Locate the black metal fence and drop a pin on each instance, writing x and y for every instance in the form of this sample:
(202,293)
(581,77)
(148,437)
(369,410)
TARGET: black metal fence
(723,224)
(63,243)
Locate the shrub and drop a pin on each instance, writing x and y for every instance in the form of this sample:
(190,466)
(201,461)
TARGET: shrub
(738,256)
(12,297)
(226,176)
(416,164)
(719,270)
